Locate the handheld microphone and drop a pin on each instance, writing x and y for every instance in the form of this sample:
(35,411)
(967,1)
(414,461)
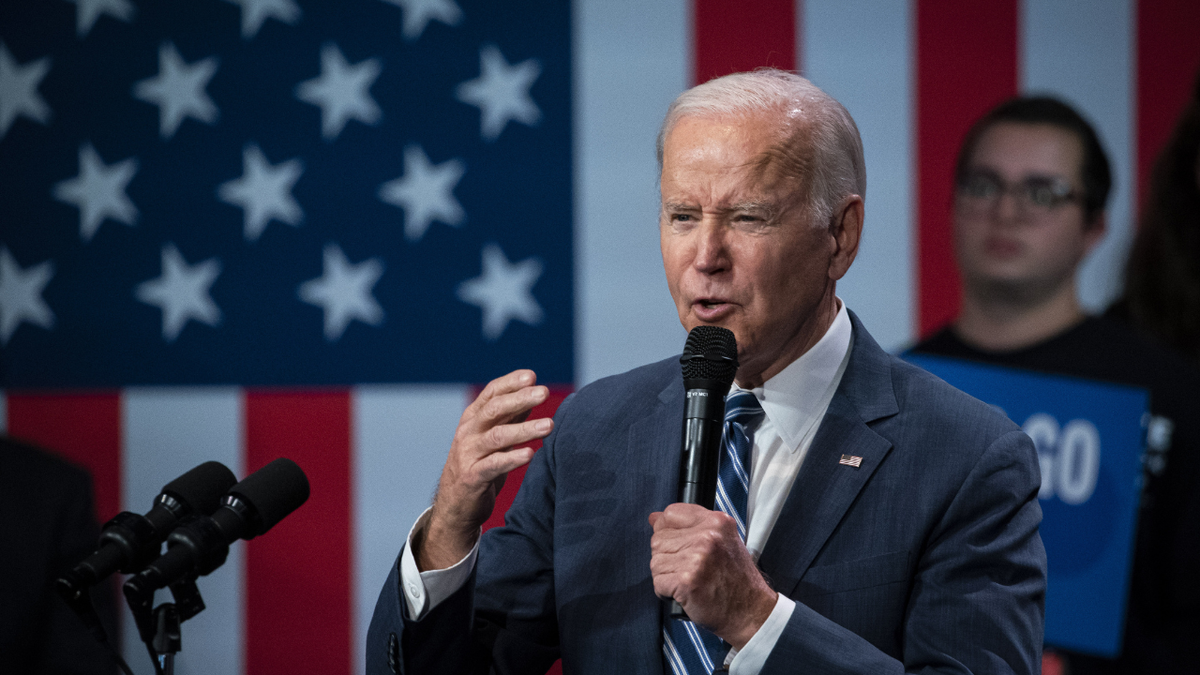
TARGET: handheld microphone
(200,544)
(130,541)
(709,363)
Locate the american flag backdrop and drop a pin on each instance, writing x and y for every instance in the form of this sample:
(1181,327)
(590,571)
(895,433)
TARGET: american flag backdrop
(243,229)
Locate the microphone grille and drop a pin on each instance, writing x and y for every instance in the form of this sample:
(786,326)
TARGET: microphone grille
(710,354)
(273,492)
(201,489)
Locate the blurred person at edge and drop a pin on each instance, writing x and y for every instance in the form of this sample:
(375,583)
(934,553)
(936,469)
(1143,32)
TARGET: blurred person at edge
(47,526)
(1162,279)
(1032,181)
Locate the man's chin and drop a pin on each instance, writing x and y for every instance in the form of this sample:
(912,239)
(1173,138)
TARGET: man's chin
(1010,288)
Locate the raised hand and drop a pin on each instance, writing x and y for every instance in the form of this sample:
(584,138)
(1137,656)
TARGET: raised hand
(480,458)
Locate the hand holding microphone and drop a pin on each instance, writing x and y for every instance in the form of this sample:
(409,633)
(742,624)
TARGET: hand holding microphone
(697,554)
(709,364)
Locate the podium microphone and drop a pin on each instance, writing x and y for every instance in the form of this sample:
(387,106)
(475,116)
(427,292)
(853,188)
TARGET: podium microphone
(130,541)
(200,544)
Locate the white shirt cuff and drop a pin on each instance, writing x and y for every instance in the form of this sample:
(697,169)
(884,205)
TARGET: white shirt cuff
(753,656)
(423,591)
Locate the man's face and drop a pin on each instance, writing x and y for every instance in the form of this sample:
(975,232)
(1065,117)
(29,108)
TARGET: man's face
(1005,243)
(737,244)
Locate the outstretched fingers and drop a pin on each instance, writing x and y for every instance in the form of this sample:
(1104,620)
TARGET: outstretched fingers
(497,456)
(491,440)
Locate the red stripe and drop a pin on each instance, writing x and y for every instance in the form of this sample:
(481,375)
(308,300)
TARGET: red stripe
(1168,58)
(966,63)
(84,428)
(298,599)
(732,36)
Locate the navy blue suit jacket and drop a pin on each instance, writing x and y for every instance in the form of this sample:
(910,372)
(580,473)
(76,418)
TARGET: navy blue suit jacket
(925,558)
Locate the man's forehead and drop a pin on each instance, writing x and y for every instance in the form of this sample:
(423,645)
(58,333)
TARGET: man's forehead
(1018,149)
(762,146)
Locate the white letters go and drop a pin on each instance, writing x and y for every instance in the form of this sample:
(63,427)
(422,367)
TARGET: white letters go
(1069,457)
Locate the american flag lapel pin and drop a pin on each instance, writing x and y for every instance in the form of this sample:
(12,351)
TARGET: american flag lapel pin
(851,460)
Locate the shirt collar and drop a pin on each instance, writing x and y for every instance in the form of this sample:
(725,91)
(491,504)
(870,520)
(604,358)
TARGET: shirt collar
(796,398)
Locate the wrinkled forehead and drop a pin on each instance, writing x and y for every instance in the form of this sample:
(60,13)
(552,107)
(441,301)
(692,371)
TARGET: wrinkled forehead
(768,147)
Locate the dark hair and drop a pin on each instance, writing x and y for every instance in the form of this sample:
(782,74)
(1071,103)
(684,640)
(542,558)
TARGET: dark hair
(1097,177)
(1162,279)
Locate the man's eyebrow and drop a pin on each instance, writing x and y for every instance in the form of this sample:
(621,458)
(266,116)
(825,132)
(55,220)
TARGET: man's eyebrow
(678,206)
(765,207)
(1033,175)
(759,206)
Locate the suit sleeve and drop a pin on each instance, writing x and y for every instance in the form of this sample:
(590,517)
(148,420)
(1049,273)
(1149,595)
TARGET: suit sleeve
(977,598)
(503,619)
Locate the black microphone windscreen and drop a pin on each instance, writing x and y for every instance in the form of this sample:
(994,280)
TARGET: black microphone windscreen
(710,354)
(273,491)
(202,487)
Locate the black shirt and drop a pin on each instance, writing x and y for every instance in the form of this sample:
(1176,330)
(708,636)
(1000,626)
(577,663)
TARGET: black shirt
(46,527)
(1162,632)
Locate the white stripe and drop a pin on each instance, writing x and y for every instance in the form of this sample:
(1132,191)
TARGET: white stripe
(867,66)
(401,435)
(167,431)
(631,60)
(1090,64)
(726,505)
(698,643)
(673,655)
(736,462)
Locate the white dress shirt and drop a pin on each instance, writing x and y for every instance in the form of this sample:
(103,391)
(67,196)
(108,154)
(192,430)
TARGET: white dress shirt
(795,401)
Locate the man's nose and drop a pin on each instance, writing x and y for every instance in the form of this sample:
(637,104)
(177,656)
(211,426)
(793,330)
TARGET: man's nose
(1008,207)
(712,252)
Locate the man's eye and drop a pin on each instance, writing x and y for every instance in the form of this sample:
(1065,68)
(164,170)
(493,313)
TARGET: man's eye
(681,217)
(1040,194)
(981,187)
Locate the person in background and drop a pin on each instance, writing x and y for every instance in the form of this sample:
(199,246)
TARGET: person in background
(1162,279)
(1032,182)
(48,526)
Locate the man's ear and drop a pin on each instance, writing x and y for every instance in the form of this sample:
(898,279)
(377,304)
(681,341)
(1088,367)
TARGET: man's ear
(1094,232)
(845,231)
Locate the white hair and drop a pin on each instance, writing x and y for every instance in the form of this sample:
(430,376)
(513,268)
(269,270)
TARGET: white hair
(825,149)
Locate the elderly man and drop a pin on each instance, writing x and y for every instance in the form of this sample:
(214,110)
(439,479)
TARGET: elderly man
(890,521)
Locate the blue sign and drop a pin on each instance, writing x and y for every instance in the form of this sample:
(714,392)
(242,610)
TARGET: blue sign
(1089,437)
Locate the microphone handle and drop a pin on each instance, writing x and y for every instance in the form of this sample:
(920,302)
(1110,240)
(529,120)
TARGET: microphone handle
(702,422)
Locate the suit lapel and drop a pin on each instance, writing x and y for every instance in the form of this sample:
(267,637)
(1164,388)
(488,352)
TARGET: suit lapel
(652,483)
(824,488)
(822,493)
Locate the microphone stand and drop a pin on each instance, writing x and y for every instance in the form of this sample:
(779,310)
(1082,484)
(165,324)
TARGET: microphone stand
(75,594)
(159,627)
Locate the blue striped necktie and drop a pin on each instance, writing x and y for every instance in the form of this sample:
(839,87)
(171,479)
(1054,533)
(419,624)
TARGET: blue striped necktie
(689,649)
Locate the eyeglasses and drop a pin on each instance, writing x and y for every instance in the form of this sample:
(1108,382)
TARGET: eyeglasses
(1033,195)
